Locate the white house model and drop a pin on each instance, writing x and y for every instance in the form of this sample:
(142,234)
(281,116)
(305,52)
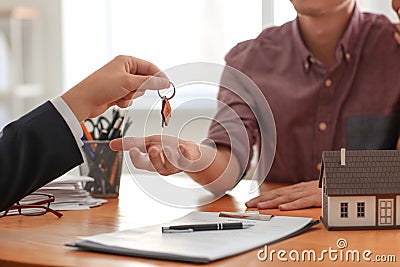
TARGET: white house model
(360,189)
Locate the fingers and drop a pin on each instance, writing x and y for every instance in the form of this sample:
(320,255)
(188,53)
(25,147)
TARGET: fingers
(127,143)
(146,82)
(143,71)
(271,195)
(396,6)
(140,66)
(140,161)
(298,196)
(161,162)
(397,36)
(289,201)
(137,94)
(303,203)
(143,143)
(122,103)
(148,154)
(185,151)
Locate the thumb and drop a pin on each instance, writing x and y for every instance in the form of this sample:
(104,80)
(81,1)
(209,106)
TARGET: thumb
(147,82)
(116,144)
(185,151)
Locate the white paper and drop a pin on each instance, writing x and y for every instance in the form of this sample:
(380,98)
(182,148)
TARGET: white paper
(69,193)
(206,245)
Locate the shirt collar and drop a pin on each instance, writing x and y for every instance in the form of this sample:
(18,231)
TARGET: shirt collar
(345,46)
(350,36)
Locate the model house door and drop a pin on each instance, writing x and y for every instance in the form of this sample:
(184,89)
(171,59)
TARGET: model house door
(385,212)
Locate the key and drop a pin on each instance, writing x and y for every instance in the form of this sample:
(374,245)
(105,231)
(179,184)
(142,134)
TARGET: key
(165,111)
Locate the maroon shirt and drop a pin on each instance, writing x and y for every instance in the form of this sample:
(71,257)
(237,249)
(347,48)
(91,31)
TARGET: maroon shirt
(353,104)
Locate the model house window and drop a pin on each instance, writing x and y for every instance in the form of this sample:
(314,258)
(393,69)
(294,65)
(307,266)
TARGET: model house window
(360,209)
(386,212)
(344,210)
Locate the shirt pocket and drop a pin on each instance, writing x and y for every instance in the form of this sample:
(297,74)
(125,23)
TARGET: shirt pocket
(372,132)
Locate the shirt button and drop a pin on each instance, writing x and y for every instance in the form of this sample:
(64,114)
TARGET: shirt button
(318,166)
(328,83)
(306,66)
(322,126)
(348,56)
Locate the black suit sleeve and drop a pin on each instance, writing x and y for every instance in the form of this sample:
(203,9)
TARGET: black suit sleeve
(34,150)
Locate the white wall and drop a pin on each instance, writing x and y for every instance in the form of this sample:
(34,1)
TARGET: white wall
(279,11)
(51,50)
(379,6)
(86,38)
(55,56)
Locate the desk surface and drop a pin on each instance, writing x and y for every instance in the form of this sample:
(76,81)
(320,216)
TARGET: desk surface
(39,241)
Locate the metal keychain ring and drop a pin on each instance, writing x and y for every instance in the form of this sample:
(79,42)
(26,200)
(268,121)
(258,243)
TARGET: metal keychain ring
(158,92)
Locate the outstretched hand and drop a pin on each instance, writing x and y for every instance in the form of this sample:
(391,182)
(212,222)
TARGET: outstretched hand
(216,169)
(163,154)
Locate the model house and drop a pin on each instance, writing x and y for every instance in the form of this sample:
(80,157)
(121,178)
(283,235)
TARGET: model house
(360,189)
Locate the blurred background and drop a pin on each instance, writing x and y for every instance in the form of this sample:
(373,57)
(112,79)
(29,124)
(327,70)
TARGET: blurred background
(47,46)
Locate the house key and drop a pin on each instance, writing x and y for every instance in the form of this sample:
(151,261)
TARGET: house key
(166,109)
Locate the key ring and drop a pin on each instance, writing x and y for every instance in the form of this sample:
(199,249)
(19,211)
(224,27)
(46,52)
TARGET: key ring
(162,97)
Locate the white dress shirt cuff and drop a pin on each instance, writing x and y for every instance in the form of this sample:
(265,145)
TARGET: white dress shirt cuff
(69,118)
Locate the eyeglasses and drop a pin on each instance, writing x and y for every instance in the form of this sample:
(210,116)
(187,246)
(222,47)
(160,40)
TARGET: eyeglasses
(34,204)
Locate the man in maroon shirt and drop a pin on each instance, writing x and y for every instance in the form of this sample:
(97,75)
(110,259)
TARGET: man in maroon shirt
(331,80)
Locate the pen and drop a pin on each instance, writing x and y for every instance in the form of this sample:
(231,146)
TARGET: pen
(127,125)
(116,130)
(87,147)
(103,134)
(88,135)
(115,116)
(114,170)
(204,227)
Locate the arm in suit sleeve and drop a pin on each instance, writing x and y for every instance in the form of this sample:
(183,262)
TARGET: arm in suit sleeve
(34,150)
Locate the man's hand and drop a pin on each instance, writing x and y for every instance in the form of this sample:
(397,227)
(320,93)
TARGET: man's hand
(397,34)
(217,169)
(298,196)
(396,8)
(164,154)
(116,83)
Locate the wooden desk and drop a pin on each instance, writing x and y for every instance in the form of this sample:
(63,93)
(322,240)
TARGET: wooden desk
(39,241)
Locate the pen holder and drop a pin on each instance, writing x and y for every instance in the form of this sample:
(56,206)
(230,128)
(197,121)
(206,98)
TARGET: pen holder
(104,165)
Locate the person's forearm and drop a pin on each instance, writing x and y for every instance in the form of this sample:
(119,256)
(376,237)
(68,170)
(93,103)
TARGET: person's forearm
(222,174)
(34,150)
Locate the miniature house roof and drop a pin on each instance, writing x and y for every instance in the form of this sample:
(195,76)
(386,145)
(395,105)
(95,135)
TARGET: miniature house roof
(366,172)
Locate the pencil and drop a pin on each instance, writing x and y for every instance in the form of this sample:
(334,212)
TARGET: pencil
(114,170)
(89,137)
(86,132)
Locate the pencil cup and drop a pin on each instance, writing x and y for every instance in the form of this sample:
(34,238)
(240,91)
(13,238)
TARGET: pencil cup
(104,165)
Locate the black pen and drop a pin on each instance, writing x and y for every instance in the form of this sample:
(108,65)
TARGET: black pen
(205,227)
(115,116)
(103,134)
(127,124)
(116,130)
